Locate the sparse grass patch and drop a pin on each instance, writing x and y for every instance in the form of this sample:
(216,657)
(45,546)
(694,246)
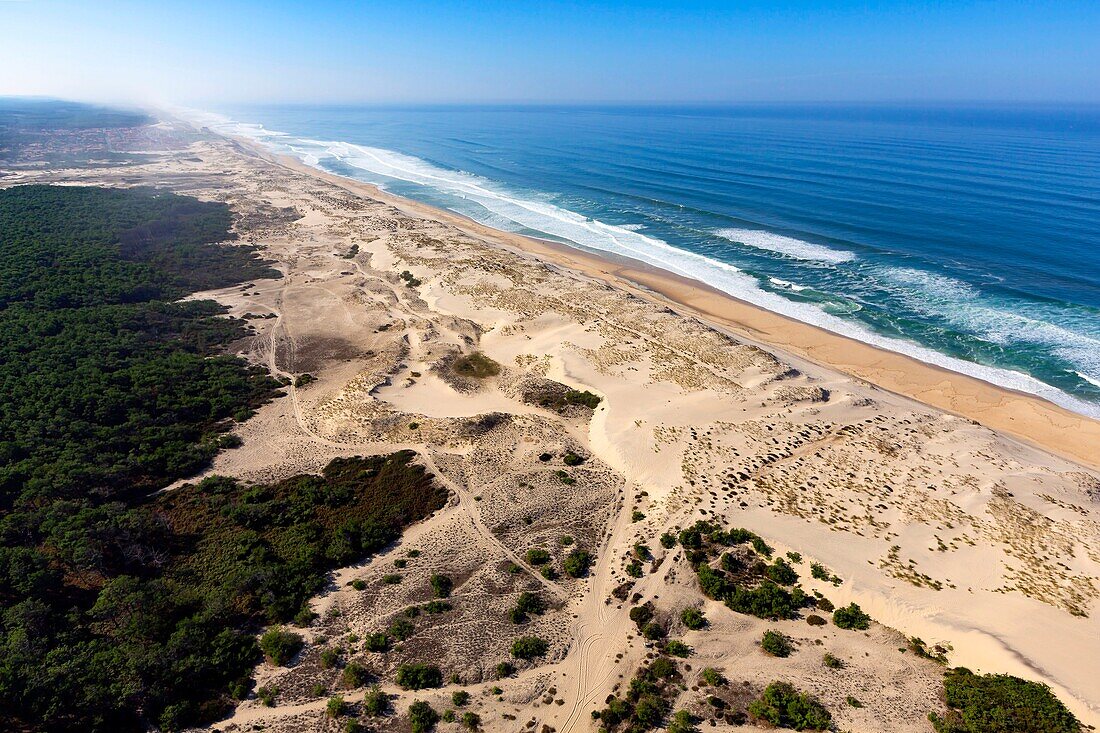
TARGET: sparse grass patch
(476,365)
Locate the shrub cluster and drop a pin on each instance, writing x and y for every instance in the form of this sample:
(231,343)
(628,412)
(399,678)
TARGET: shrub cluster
(785,707)
(1000,703)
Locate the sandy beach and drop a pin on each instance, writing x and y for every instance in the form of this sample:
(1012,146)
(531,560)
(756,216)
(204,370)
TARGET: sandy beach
(1023,416)
(948,509)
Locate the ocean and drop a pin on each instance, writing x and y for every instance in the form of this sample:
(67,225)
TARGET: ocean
(966,237)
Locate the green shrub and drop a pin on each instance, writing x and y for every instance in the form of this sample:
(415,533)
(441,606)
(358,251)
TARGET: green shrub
(471,720)
(359,584)
(776,644)
(577,563)
(355,675)
(391,579)
(377,642)
(280,645)
(529,602)
(572,459)
(677,648)
(335,706)
(476,365)
(585,398)
(565,540)
(668,540)
(437,606)
(422,717)
(1000,703)
(781,572)
(832,662)
(682,722)
(401,629)
(529,647)
(767,600)
(713,677)
(641,615)
(329,658)
(414,676)
(851,617)
(441,586)
(853,702)
(459,698)
(375,702)
(815,620)
(634,569)
(267,694)
(537,556)
(504,669)
(693,618)
(784,707)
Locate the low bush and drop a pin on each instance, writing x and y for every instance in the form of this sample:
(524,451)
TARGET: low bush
(537,556)
(280,645)
(712,677)
(335,706)
(355,675)
(851,617)
(401,629)
(422,717)
(776,644)
(693,618)
(572,459)
(441,586)
(375,701)
(414,676)
(459,698)
(785,707)
(1000,703)
(529,647)
(577,563)
(377,642)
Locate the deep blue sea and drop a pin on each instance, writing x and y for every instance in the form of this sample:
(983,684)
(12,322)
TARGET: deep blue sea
(968,237)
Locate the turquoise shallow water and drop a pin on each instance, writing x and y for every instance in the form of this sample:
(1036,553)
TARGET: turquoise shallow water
(966,237)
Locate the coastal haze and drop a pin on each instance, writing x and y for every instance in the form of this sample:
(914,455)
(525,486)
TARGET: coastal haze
(560,368)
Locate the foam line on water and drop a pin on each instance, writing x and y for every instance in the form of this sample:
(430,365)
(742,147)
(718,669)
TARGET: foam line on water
(787,246)
(527,211)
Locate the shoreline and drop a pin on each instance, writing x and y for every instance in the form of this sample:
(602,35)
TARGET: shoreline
(1024,417)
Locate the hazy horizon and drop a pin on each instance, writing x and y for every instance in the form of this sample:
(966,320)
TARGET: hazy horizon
(204,53)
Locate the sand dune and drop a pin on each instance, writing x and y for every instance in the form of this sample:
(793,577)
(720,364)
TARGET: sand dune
(947,508)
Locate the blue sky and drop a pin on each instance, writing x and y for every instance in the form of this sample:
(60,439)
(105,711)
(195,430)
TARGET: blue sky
(496,51)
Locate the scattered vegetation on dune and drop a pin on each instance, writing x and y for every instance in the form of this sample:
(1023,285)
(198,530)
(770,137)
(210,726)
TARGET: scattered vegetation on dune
(475,365)
(1000,703)
(783,706)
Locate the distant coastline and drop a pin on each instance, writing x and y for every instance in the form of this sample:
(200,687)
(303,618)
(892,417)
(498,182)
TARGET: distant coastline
(1038,347)
(1018,414)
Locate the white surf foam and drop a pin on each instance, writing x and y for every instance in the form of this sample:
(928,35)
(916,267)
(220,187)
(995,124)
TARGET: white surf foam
(531,211)
(963,306)
(787,284)
(1091,380)
(788,246)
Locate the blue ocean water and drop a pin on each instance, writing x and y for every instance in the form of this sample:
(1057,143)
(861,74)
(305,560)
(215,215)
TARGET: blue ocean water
(965,237)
